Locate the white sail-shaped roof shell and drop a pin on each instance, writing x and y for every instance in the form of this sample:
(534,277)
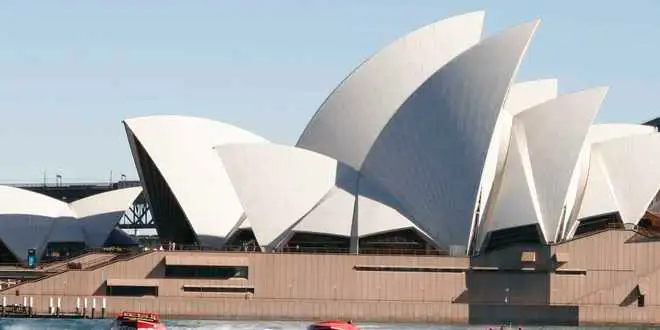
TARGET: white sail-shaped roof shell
(634,172)
(276,184)
(431,154)
(182,150)
(541,161)
(23,201)
(598,198)
(30,220)
(623,176)
(374,212)
(603,132)
(515,203)
(245,224)
(118,200)
(307,192)
(521,96)
(504,183)
(379,212)
(26,220)
(350,120)
(592,194)
(553,156)
(332,215)
(99,214)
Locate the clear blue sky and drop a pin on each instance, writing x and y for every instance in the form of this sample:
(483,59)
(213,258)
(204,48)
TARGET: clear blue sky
(70,71)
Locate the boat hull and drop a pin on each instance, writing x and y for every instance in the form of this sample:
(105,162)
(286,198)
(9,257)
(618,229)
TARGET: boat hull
(332,325)
(138,321)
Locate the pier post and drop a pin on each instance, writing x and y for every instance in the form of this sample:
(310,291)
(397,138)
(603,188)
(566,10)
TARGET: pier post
(50,306)
(93,306)
(59,306)
(4,305)
(78,305)
(103,307)
(31,305)
(85,307)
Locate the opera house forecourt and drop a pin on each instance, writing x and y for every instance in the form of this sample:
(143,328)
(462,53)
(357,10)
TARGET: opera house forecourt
(430,186)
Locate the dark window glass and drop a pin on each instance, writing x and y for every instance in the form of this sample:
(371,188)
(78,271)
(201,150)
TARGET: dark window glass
(219,272)
(219,289)
(131,291)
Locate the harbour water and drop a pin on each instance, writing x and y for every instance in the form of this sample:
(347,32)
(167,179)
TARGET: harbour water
(41,324)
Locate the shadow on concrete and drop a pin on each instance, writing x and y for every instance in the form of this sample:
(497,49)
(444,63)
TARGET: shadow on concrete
(640,238)
(524,315)
(631,298)
(511,285)
(101,290)
(158,271)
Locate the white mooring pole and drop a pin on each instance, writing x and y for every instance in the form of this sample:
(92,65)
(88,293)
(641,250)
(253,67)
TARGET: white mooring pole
(85,307)
(103,307)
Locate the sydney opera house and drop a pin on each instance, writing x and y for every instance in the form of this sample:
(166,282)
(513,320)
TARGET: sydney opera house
(433,139)
(431,185)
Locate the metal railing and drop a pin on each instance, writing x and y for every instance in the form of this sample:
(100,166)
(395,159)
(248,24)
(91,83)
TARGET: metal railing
(8,283)
(650,234)
(54,262)
(300,249)
(126,254)
(91,184)
(62,263)
(117,258)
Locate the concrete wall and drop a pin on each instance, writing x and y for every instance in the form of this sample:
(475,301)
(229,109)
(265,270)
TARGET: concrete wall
(497,287)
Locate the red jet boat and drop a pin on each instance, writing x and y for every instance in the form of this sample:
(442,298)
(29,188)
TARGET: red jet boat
(333,325)
(138,321)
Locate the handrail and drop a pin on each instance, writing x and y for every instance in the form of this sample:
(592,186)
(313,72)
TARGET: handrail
(302,249)
(62,262)
(55,261)
(291,250)
(117,258)
(635,230)
(82,184)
